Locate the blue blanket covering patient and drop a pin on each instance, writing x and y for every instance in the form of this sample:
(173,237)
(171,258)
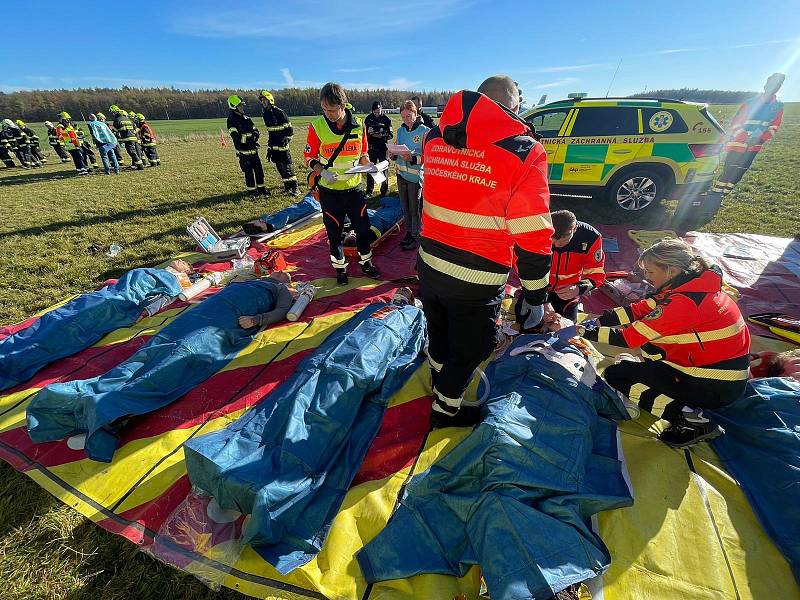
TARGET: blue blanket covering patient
(182,355)
(81,323)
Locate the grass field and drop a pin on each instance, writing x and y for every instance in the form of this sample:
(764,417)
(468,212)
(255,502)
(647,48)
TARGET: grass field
(48,218)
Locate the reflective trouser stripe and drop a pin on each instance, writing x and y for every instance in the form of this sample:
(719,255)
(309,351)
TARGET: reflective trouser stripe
(463,273)
(711,373)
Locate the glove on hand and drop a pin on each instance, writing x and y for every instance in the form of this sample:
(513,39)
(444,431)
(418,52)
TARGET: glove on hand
(528,316)
(329,176)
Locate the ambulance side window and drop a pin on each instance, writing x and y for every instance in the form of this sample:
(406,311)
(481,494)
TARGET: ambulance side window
(547,124)
(606,120)
(654,121)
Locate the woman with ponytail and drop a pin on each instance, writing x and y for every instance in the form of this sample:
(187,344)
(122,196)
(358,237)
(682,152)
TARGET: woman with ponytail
(693,339)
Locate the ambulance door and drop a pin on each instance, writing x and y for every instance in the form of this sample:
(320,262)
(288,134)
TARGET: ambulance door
(599,139)
(550,124)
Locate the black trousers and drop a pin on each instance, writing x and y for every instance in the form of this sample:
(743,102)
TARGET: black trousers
(5,156)
(152,155)
(376,155)
(24,156)
(89,157)
(77,158)
(283,162)
(60,151)
(37,153)
(336,205)
(461,335)
(566,308)
(118,152)
(253,171)
(132,148)
(663,390)
(736,165)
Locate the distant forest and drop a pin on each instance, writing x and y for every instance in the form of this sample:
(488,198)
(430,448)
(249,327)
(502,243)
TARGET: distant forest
(696,95)
(170,103)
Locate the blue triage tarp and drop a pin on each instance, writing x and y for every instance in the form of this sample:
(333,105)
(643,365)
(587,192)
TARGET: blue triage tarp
(290,461)
(761,449)
(291,214)
(80,323)
(182,355)
(517,494)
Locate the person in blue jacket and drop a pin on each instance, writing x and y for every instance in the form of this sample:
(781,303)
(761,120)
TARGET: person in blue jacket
(409,165)
(106,141)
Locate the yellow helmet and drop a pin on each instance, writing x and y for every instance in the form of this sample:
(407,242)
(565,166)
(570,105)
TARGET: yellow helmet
(114,108)
(140,116)
(20,123)
(64,116)
(234,101)
(267,96)
(101,116)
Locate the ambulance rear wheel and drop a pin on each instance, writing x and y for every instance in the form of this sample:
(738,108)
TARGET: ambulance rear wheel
(636,190)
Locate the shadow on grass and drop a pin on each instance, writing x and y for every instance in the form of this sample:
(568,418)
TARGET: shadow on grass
(34,176)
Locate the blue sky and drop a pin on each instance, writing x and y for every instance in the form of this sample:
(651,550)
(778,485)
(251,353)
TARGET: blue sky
(553,48)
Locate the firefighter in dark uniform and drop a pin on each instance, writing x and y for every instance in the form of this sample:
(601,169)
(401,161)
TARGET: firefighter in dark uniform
(487,206)
(427,120)
(33,143)
(379,132)
(149,141)
(578,263)
(693,339)
(55,142)
(337,142)
(245,141)
(123,127)
(89,157)
(6,145)
(21,146)
(279,135)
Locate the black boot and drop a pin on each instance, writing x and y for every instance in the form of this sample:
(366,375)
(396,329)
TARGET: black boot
(262,191)
(683,433)
(341,277)
(369,270)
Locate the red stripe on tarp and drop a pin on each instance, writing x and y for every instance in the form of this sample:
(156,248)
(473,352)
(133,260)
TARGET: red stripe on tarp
(16,327)
(398,442)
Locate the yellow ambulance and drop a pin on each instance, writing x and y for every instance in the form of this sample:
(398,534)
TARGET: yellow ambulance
(634,152)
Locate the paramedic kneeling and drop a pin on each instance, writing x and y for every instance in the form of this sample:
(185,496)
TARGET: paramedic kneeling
(693,339)
(578,263)
(487,205)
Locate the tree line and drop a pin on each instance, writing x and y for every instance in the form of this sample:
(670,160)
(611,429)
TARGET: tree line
(171,103)
(698,95)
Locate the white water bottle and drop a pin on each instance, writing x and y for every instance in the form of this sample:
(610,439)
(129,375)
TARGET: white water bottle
(303,300)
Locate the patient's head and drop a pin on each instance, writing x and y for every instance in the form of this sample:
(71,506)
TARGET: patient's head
(771,364)
(281,276)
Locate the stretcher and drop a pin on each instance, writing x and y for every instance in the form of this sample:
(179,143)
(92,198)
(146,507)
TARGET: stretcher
(352,251)
(784,326)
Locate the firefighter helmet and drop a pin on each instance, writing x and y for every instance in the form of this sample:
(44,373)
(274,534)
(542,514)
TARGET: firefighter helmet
(9,123)
(114,108)
(267,96)
(20,123)
(140,116)
(49,124)
(234,101)
(101,117)
(64,116)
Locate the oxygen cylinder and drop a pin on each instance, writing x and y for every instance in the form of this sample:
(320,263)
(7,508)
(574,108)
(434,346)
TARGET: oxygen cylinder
(303,300)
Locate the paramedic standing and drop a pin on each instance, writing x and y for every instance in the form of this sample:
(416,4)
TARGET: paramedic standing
(487,206)
(337,142)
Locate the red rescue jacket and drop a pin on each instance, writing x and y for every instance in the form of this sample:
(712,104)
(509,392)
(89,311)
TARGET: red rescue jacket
(580,262)
(487,203)
(690,324)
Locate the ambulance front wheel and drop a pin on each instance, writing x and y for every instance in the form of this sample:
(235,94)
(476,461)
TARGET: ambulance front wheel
(637,190)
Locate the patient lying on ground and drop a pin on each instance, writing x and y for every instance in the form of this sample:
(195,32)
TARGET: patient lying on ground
(190,349)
